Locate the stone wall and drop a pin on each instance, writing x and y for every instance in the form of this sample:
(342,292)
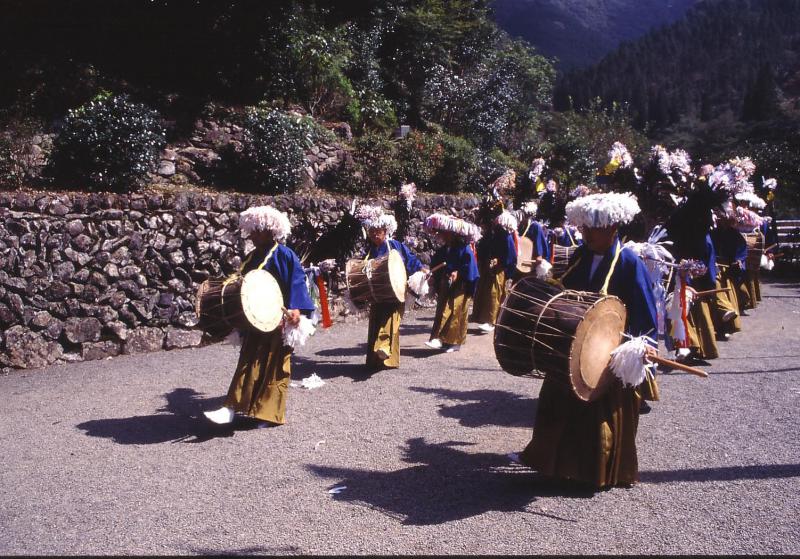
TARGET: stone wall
(90,276)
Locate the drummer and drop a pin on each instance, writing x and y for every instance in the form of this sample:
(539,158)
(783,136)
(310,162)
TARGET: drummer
(454,281)
(497,260)
(595,442)
(535,231)
(383,338)
(260,383)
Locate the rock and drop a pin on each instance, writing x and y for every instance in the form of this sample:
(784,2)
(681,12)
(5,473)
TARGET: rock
(99,350)
(187,319)
(166,168)
(117,329)
(29,350)
(41,319)
(143,340)
(64,271)
(7,317)
(54,329)
(58,291)
(16,284)
(79,330)
(177,338)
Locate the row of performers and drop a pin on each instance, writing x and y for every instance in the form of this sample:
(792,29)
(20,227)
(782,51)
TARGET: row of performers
(591,443)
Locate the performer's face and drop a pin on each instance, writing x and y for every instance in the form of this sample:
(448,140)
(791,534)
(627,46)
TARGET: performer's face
(377,236)
(599,239)
(261,238)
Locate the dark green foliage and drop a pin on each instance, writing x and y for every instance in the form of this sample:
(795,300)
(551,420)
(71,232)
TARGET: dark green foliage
(273,153)
(459,167)
(726,56)
(109,143)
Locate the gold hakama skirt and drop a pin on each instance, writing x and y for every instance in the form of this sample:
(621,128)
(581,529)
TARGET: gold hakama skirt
(589,442)
(260,384)
(489,295)
(452,313)
(384,333)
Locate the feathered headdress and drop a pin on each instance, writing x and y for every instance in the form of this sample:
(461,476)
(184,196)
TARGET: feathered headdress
(374,217)
(507,221)
(602,210)
(530,208)
(751,199)
(265,218)
(441,222)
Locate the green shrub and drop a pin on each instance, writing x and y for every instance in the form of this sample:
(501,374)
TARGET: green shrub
(375,156)
(458,171)
(419,159)
(110,142)
(274,150)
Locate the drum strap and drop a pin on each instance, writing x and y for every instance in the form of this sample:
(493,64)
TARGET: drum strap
(604,289)
(617,249)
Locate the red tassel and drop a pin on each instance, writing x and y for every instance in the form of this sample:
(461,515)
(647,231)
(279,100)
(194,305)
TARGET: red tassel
(474,253)
(323,302)
(684,319)
(516,242)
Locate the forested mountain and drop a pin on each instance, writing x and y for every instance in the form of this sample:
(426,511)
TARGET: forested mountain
(580,32)
(739,58)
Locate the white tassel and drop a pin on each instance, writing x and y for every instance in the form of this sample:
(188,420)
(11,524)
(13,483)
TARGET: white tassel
(543,269)
(674,313)
(234,338)
(627,361)
(418,283)
(312,381)
(296,335)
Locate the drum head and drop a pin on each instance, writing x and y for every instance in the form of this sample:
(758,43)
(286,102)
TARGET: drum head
(525,253)
(598,334)
(397,275)
(262,300)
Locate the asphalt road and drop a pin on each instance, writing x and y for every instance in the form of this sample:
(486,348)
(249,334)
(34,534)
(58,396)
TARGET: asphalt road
(113,457)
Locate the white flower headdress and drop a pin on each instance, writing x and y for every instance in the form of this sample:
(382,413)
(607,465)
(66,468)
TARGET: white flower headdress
(602,210)
(265,218)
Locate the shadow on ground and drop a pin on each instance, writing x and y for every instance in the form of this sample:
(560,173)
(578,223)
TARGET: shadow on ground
(446,484)
(305,366)
(180,420)
(485,407)
(727,473)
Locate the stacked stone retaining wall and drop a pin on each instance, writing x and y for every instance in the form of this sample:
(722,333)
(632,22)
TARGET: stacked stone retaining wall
(91,276)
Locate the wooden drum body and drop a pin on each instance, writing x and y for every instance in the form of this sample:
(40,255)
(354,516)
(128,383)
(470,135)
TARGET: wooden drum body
(250,302)
(377,280)
(755,248)
(560,259)
(542,330)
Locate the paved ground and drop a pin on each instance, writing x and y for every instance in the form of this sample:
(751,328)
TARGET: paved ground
(112,457)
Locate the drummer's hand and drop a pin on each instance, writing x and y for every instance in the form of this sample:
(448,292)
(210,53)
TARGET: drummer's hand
(691,290)
(493,263)
(426,270)
(537,261)
(650,352)
(453,276)
(293,316)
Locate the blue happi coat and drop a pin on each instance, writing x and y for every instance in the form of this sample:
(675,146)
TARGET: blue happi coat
(461,259)
(629,281)
(730,247)
(498,243)
(535,232)
(412,262)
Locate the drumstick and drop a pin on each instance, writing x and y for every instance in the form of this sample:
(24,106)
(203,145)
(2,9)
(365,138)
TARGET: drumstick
(770,247)
(711,292)
(437,267)
(676,365)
